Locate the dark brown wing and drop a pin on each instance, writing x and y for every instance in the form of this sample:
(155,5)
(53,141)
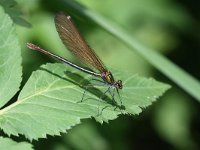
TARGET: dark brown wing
(75,43)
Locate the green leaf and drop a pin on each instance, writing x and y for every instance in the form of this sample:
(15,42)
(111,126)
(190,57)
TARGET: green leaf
(164,65)
(10,59)
(50,103)
(8,144)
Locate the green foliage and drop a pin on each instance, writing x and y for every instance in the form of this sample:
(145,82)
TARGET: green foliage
(50,103)
(88,137)
(15,13)
(8,144)
(174,125)
(10,59)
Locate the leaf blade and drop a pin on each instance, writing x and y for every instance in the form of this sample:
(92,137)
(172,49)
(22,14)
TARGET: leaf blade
(6,143)
(49,103)
(10,59)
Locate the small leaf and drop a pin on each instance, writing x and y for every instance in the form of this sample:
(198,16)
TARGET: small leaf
(50,103)
(8,144)
(10,59)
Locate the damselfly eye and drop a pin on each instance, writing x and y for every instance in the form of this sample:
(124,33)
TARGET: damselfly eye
(119,84)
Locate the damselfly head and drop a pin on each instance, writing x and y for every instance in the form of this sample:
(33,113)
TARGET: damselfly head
(118,84)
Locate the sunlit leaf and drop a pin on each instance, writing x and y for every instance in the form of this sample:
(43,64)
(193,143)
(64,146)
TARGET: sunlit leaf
(50,102)
(10,59)
(8,144)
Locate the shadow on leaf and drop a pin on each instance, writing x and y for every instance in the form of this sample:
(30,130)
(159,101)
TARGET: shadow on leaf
(81,82)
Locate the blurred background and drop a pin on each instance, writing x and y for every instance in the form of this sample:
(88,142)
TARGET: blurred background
(171,27)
